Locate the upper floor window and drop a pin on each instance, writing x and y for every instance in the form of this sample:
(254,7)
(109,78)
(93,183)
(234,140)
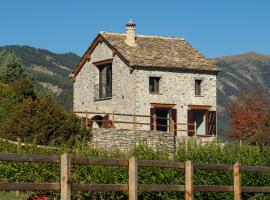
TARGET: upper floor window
(105,81)
(198,87)
(154,84)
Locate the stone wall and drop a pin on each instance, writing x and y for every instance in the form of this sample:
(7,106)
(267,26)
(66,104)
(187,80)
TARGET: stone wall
(109,139)
(124,140)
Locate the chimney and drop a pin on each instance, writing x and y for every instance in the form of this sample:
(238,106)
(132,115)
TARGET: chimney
(130,33)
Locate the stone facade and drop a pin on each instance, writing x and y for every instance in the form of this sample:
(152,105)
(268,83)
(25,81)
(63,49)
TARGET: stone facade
(125,140)
(130,89)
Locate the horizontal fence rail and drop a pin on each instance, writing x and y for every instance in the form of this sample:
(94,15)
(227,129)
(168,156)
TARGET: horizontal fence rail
(66,186)
(134,120)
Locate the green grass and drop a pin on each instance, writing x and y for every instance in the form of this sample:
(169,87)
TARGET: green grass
(11,195)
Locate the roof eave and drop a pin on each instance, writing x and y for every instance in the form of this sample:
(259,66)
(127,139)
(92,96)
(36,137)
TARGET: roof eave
(87,55)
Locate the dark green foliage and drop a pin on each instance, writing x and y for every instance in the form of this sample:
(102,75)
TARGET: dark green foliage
(43,121)
(24,88)
(10,67)
(227,153)
(8,100)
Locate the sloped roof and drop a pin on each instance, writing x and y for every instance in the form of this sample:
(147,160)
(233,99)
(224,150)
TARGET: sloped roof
(153,51)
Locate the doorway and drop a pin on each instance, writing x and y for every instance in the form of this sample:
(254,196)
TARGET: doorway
(200,119)
(163,118)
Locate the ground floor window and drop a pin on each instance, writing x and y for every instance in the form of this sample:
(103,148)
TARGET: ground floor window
(163,118)
(205,122)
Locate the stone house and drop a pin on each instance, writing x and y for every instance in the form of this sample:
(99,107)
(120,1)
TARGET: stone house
(162,77)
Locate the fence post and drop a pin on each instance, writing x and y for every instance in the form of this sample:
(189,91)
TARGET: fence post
(188,180)
(195,128)
(65,177)
(236,182)
(132,179)
(155,121)
(134,121)
(86,120)
(113,120)
(19,141)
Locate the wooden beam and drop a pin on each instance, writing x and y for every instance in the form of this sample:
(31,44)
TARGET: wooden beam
(207,166)
(103,62)
(213,188)
(160,188)
(159,105)
(98,161)
(188,180)
(132,179)
(29,158)
(30,186)
(199,107)
(236,182)
(65,177)
(99,187)
(161,163)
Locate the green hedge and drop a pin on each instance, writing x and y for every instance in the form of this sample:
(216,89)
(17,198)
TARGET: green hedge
(227,153)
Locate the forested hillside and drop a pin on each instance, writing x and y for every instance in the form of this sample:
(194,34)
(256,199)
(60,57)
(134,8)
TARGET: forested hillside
(239,72)
(48,70)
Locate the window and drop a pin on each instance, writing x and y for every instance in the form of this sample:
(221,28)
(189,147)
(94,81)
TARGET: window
(105,81)
(198,90)
(154,84)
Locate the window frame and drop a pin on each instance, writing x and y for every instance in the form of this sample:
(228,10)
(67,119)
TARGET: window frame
(156,84)
(198,87)
(104,65)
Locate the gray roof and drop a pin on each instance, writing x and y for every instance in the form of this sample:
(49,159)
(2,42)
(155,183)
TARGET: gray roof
(156,51)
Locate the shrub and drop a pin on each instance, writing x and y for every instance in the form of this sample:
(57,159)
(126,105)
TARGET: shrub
(44,122)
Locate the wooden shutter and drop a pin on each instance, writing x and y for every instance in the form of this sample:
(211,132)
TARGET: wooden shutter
(190,121)
(211,123)
(152,113)
(174,118)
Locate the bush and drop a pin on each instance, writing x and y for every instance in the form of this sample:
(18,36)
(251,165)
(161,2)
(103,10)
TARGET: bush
(44,122)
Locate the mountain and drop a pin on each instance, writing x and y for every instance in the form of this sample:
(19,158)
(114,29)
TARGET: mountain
(247,70)
(50,71)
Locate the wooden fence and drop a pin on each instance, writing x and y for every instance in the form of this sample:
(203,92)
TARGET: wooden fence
(134,120)
(65,186)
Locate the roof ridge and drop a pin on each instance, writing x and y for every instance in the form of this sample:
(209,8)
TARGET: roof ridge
(150,36)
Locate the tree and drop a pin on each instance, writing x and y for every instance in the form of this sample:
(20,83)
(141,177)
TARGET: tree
(10,67)
(8,100)
(24,88)
(44,121)
(249,113)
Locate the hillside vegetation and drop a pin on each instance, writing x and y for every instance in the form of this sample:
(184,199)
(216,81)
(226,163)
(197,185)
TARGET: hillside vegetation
(246,71)
(48,70)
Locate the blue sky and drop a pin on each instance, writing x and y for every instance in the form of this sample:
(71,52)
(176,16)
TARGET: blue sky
(215,27)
